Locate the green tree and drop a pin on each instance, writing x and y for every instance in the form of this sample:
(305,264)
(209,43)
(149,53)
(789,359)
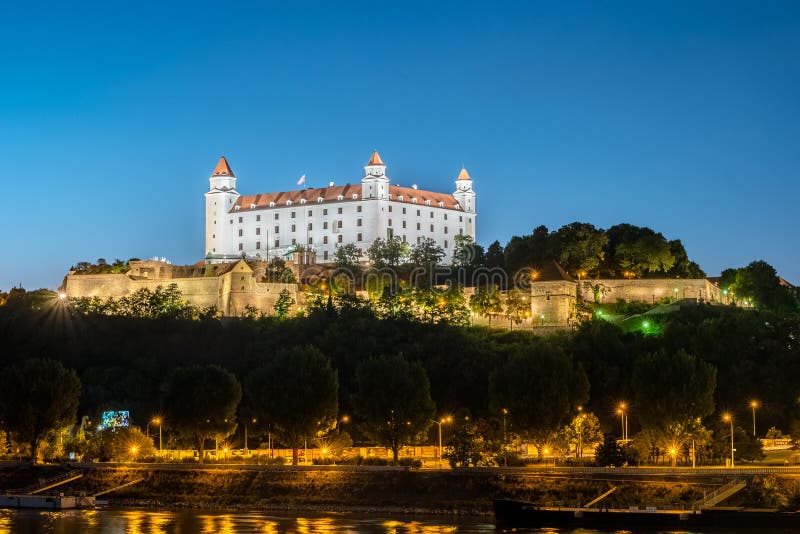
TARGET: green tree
(494,257)
(759,285)
(582,247)
(486,301)
(583,430)
(466,252)
(540,387)
(465,447)
(348,257)
(387,253)
(38,396)
(647,254)
(393,400)
(284,303)
(297,390)
(200,402)
(518,305)
(672,388)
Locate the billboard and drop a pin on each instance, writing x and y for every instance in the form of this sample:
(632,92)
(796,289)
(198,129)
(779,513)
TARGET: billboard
(116,419)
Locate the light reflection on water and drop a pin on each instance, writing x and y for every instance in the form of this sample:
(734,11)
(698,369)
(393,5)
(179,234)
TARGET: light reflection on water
(127,521)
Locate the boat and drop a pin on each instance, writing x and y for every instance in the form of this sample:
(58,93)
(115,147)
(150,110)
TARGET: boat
(511,513)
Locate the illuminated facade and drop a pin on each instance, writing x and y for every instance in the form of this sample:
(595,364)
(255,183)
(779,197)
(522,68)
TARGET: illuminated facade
(271,225)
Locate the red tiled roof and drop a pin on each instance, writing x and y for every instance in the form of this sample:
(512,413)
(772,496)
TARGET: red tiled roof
(463,175)
(375,159)
(332,194)
(223,169)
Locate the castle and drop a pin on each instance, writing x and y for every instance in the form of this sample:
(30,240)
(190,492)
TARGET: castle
(273,225)
(305,227)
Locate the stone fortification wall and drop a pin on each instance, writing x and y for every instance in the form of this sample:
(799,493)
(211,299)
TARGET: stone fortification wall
(649,290)
(553,303)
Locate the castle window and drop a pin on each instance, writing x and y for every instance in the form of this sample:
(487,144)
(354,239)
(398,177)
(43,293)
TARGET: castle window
(320,199)
(431,228)
(404,238)
(339,223)
(258,217)
(277,243)
(231,221)
(324,240)
(414,200)
(441,204)
(445,229)
(277,215)
(390,209)
(258,244)
(288,202)
(460,218)
(390,222)
(310,240)
(445,216)
(240,220)
(272,205)
(355,197)
(293,215)
(548,295)
(358,209)
(340,197)
(302,201)
(404,224)
(241,247)
(418,239)
(325,211)
(310,226)
(404,210)
(325,255)
(400,198)
(294,228)
(252,206)
(340,238)
(359,237)
(310,213)
(419,227)
(359,222)
(325,225)
(258,231)
(339,211)
(237,208)
(241,232)
(294,241)
(213,236)
(428,202)
(445,243)
(277,229)
(417,213)
(460,231)
(431,214)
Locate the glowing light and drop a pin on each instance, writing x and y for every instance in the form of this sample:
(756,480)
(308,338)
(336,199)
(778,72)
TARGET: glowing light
(646,324)
(62,296)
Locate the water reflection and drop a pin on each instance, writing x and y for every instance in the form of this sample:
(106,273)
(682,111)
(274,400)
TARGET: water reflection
(198,522)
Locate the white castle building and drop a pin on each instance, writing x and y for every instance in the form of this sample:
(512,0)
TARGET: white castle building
(272,225)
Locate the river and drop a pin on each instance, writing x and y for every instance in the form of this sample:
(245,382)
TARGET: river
(133,521)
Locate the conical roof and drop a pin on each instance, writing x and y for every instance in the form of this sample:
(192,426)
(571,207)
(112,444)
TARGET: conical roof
(223,169)
(463,175)
(375,159)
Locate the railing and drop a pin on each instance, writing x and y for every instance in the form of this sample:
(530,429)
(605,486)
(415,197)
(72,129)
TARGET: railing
(710,497)
(47,483)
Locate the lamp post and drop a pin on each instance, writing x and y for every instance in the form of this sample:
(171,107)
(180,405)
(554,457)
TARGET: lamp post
(579,451)
(505,456)
(157,421)
(728,418)
(753,405)
(439,452)
(254,421)
(622,411)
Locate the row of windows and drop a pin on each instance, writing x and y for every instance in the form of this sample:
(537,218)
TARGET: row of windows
(338,225)
(359,238)
(293,214)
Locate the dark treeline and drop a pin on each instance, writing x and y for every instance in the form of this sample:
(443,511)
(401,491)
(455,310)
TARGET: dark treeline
(703,361)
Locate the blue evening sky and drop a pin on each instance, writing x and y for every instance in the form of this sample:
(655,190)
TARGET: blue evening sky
(681,116)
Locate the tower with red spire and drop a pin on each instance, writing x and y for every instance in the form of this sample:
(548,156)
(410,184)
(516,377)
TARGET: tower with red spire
(220,199)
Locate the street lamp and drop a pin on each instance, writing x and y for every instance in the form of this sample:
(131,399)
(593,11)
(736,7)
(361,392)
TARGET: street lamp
(439,453)
(157,421)
(133,452)
(505,455)
(254,421)
(753,405)
(623,420)
(728,418)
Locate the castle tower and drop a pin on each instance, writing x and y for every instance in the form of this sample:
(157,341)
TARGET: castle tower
(375,183)
(464,193)
(220,198)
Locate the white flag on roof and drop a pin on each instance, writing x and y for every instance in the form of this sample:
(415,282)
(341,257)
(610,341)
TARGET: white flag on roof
(302,180)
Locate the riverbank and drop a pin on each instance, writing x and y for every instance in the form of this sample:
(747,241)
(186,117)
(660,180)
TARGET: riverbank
(370,490)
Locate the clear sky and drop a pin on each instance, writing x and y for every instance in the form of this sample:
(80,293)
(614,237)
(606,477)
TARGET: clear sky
(681,116)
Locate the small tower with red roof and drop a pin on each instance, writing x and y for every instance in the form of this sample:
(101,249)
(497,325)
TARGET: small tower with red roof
(220,199)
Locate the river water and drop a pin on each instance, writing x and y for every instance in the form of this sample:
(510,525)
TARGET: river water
(131,521)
